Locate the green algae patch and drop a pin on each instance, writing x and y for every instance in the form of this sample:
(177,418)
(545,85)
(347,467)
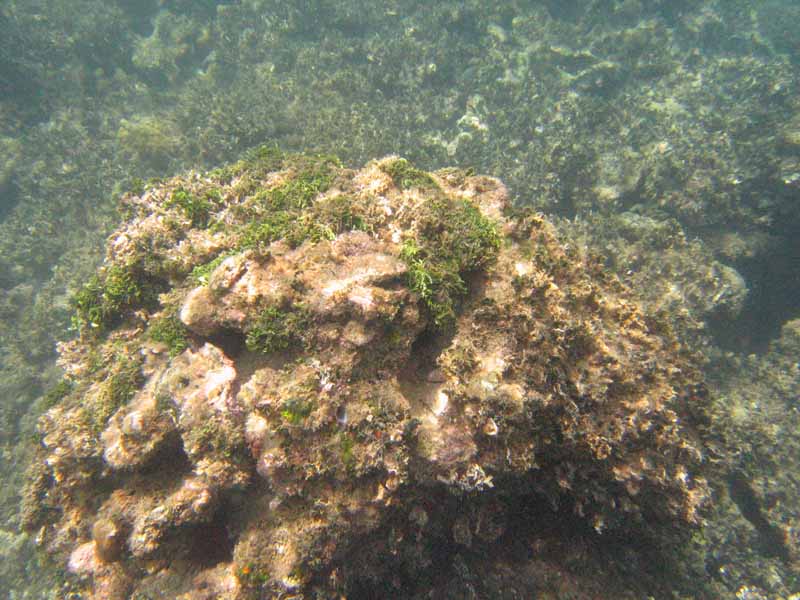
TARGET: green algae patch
(453,239)
(326,219)
(196,208)
(103,299)
(124,377)
(405,175)
(310,177)
(346,445)
(275,330)
(169,331)
(200,274)
(58,392)
(277,212)
(257,163)
(214,438)
(296,410)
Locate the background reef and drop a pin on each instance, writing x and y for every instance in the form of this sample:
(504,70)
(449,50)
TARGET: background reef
(664,135)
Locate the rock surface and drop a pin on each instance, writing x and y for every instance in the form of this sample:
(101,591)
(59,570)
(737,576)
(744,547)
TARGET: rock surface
(298,380)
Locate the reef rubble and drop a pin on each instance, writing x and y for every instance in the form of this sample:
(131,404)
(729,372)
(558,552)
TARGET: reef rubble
(294,379)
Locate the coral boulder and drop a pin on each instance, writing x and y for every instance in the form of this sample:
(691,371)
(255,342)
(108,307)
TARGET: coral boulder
(298,380)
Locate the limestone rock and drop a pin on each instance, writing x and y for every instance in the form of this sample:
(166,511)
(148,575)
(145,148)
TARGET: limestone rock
(298,379)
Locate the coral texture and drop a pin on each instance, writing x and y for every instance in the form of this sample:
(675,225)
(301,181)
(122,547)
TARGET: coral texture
(295,379)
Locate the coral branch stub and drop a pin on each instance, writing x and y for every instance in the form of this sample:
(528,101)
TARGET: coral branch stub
(287,373)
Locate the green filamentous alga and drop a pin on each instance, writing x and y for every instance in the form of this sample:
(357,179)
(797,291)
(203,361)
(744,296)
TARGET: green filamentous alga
(105,296)
(453,239)
(196,208)
(405,175)
(276,329)
(169,331)
(277,213)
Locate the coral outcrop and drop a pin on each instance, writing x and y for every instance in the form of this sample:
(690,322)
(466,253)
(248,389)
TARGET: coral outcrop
(294,379)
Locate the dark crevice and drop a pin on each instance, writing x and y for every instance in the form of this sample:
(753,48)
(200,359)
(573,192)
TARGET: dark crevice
(419,376)
(534,537)
(773,281)
(170,460)
(230,341)
(771,537)
(427,348)
(210,543)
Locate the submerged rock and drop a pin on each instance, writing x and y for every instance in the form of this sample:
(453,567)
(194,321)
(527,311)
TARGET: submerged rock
(756,518)
(295,379)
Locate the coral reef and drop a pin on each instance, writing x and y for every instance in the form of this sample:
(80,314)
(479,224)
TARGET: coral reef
(295,379)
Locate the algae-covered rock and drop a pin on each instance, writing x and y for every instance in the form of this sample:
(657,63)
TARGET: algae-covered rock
(672,275)
(295,379)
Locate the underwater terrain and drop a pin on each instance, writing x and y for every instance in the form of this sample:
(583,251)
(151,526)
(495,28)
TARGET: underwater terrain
(551,352)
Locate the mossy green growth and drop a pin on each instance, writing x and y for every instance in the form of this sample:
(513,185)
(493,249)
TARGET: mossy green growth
(102,299)
(283,211)
(453,238)
(124,380)
(256,163)
(272,226)
(306,228)
(341,213)
(170,331)
(214,437)
(195,208)
(295,410)
(346,445)
(405,175)
(279,212)
(325,220)
(314,175)
(276,330)
(57,393)
(121,382)
(137,186)
(270,332)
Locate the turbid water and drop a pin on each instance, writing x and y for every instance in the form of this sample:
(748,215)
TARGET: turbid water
(661,138)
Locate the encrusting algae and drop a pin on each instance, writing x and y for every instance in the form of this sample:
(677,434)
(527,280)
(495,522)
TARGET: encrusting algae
(294,379)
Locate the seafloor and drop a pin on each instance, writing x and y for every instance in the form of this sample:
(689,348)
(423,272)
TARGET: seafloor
(661,136)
